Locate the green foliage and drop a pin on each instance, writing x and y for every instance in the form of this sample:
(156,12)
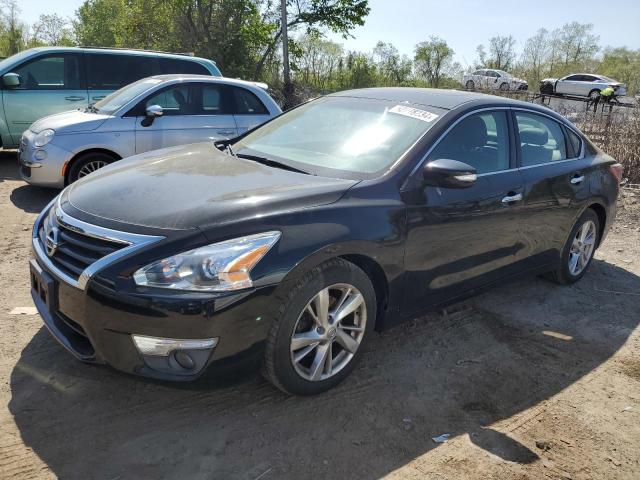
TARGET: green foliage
(433,60)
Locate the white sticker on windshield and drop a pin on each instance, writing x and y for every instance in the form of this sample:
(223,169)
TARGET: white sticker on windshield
(414,113)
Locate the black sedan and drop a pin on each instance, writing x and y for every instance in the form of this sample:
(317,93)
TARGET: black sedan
(348,214)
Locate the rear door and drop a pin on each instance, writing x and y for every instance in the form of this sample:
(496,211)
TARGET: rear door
(107,72)
(556,178)
(51,83)
(249,111)
(461,239)
(192,112)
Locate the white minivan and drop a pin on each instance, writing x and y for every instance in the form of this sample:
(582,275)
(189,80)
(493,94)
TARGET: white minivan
(152,113)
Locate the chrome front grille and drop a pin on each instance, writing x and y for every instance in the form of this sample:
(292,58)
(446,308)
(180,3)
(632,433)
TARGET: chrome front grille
(74,250)
(71,251)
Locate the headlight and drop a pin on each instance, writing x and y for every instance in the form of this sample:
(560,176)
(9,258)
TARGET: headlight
(218,267)
(44,137)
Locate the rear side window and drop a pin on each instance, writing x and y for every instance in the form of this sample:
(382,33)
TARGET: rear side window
(247,103)
(53,72)
(112,72)
(541,139)
(174,65)
(575,143)
(480,140)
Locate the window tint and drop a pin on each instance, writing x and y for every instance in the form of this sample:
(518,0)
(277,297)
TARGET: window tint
(247,103)
(575,142)
(111,72)
(574,78)
(480,140)
(212,99)
(589,78)
(54,72)
(173,65)
(541,139)
(177,100)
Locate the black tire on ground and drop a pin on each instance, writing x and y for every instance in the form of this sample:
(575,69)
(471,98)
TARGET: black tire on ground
(278,365)
(470,85)
(86,161)
(593,94)
(563,275)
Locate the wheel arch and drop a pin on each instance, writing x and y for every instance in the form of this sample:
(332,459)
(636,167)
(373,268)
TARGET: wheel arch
(601,212)
(106,151)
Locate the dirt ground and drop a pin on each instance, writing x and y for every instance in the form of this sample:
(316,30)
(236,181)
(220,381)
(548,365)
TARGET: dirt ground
(531,381)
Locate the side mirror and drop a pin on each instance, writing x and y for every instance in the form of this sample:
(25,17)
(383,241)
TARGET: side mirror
(11,80)
(153,112)
(449,174)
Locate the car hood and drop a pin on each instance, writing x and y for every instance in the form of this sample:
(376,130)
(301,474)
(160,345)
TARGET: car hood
(69,122)
(196,186)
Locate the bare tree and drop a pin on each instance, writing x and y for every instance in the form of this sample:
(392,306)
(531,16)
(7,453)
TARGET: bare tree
(535,54)
(52,30)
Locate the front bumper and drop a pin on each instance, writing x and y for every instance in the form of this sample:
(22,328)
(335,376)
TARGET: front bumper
(44,172)
(95,321)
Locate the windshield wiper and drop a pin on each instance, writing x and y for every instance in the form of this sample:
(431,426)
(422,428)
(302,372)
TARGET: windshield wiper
(92,109)
(270,162)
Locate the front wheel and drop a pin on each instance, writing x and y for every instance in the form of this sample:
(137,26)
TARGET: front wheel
(594,94)
(579,249)
(470,85)
(504,87)
(319,334)
(87,164)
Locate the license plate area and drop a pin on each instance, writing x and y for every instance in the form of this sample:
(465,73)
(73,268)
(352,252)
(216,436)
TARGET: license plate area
(44,286)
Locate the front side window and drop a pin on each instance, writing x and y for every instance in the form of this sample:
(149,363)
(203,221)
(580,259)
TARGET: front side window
(574,78)
(54,72)
(178,100)
(344,137)
(541,139)
(480,140)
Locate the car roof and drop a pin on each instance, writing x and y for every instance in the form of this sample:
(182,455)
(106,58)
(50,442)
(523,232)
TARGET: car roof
(433,97)
(208,78)
(128,51)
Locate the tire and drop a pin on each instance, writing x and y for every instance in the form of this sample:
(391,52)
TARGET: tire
(546,89)
(593,94)
(565,274)
(470,85)
(504,87)
(88,163)
(286,364)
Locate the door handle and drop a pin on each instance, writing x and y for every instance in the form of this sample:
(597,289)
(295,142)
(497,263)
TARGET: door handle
(99,97)
(512,198)
(74,98)
(226,132)
(577,179)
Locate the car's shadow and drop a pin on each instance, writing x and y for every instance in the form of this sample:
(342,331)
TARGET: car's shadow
(458,373)
(26,197)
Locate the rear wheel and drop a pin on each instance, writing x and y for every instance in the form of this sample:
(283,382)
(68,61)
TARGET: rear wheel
(470,85)
(318,336)
(87,164)
(579,249)
(594,94)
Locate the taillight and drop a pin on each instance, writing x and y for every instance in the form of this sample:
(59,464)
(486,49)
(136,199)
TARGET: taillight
(616,170)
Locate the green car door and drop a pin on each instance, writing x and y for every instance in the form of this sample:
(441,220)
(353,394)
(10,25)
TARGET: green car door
(49,83)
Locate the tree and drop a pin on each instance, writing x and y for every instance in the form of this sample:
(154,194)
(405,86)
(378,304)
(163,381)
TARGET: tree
(393,68)
(316,61)
(577,45)
(52,30)
(535,55)
(501,52)
(13,29)
(623,65)
(432,59)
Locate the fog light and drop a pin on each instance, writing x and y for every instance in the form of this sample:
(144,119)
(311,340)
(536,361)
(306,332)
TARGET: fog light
(184,359)
(40,155)
(162,347)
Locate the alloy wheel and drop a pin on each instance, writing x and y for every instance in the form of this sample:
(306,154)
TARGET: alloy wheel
(582,248)
(91,167)
(328,332)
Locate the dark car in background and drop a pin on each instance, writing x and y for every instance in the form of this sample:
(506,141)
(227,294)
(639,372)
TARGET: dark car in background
(294,242)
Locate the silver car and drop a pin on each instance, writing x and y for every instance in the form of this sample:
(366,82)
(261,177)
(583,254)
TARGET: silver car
(581,85)
(152,113)
(492,79)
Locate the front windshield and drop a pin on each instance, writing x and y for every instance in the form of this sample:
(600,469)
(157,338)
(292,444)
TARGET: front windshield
(14,59)
(344,137)
(117,99)
(503,73)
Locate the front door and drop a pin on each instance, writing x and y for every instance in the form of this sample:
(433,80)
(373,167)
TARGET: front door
(192,112)
(50,84)
(460,239)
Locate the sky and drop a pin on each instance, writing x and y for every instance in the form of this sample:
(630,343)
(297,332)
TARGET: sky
(462,23)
